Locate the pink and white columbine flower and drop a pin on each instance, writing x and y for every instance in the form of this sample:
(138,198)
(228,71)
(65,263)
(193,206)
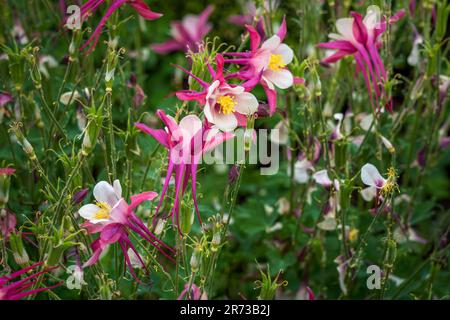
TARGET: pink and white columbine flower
(266,62)
(378,185)
(114,218)
(362,38)
(91,5)
(187,34)
(18,289)
(371,177)
(186,141)
(226,106)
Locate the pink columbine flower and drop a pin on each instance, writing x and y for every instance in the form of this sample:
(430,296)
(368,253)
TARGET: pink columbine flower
(91,5)
(186,141)
(225,106)
(18,289)
(266,62)
(362,38)
(187,34)
(114,218)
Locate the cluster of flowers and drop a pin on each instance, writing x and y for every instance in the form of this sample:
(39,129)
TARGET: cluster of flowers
(226,102)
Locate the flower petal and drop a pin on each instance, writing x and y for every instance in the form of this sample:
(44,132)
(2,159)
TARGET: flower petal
(246,103)
(371,177)
(104,192)
(283,78)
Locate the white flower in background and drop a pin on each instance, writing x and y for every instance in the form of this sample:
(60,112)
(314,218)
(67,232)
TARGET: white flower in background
(47,61)
(283,206)
(282,136)
(107,197)
(321,177)
(277,226)
(69,97)
(301,168)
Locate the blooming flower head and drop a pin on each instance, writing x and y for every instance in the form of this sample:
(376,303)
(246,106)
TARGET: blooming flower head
(225,106)
(371,176)
(10,290)
(91,5)
(361,37)
(187,34)
(267,61)
(186,141)
(114,218)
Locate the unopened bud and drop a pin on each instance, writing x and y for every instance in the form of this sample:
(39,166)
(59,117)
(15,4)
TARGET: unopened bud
(388,144)
(160,226)
(215,242)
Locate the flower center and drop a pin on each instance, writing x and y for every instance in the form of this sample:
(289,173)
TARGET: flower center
(104,211)
(391,184)
(276,62)
(227,104)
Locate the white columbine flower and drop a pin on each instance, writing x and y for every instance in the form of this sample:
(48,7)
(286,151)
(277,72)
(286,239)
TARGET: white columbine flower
(107,197)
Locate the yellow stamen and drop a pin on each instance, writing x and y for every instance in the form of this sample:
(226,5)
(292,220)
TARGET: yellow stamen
(104,211)
(391,184)
(227,104)
(276,62)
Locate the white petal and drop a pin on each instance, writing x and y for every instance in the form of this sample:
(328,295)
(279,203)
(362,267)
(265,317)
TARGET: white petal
(369,193)
(88,211)
(286,52)
(345,27)
(208,112)
(272,43)
(246,103)
(371,177)
(117,188)
(321,177)
(104,192)
(225,122)
(212,88)
(283,78)
(301,170)
(66,97)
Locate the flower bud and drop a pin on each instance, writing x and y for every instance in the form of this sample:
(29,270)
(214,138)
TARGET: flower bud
(160,226)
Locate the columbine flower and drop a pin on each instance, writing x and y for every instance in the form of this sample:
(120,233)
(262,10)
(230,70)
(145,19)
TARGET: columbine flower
(187,34)
(186,141)
(18,289)
(114,219)
(91,5)
(371,177)
(266,62)
(226,106)
(362,38)
(321,177)
(301,168)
